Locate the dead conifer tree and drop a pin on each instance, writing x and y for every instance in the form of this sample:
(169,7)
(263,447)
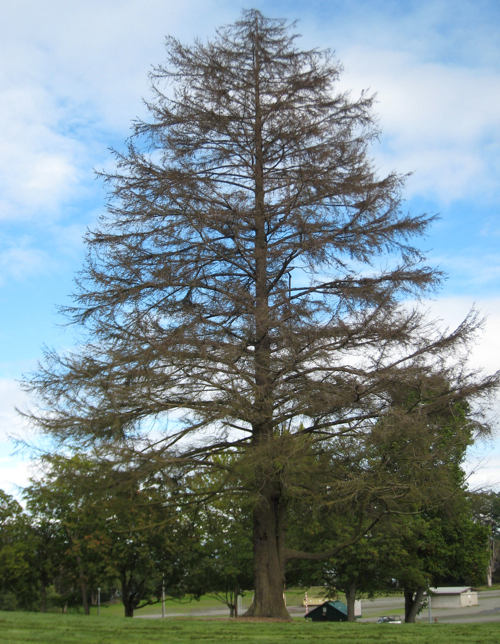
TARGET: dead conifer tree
(233,297)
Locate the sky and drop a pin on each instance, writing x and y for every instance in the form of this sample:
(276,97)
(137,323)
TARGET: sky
(73,76)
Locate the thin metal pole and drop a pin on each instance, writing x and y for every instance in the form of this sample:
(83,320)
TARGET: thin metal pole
(163,598)
(98,602)
(429,605)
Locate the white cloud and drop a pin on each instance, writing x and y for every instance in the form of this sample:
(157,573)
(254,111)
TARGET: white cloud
(15,475)
(483,466)
(435,70)
(39,165)
(69,73)
(439,121)
(16,466)
(20,262)
(453,310)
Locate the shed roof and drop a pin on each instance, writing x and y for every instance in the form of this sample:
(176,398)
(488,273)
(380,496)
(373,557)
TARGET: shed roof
(451,590)
(338,606)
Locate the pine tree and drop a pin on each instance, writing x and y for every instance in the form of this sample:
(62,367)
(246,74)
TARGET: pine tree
(245,290)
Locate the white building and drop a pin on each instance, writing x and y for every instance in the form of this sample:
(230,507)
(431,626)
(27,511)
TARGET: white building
(453,597)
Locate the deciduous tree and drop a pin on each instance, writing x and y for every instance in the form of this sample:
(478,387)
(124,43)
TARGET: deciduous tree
(249,277)
(18,580)
(486,509)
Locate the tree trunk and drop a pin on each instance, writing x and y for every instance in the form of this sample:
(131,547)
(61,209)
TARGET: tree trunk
(412,604)
(269,512)
(43,597)
(83,586)
(236,593)
(494,555)
(269,560)
(350,596)
(85,599)
(231,603)
(128,601)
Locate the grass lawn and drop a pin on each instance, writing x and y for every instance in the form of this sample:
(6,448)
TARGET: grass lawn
(493,587)
(37,628)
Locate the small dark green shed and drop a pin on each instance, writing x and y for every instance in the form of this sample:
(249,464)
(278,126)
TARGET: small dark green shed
(328,612)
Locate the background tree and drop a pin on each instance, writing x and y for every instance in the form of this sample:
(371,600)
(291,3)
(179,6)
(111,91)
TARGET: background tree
(32,551)
(18,583)
(486,509)
(147,545)
(443,544)
(252,169)
(365,568)
(66,500)
(114,527)
(430,537)
(443,549)
(224,525)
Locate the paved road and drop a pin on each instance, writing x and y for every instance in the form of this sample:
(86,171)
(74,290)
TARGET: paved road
(487,611)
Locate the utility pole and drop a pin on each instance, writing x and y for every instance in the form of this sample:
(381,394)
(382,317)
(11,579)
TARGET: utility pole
(98,602)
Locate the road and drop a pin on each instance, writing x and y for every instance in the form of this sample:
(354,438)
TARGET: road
(487,611)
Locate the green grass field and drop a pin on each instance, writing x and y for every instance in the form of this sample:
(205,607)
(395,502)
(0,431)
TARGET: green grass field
(37,628)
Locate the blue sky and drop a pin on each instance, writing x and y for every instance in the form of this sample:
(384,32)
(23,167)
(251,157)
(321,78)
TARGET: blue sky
(72,78)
